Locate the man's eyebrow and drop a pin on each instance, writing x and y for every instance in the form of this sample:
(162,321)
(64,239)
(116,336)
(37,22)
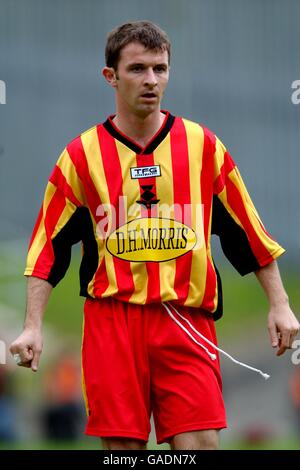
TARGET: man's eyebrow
(136,64)
(141,64)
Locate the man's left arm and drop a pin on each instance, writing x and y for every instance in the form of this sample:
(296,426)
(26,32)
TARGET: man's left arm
(283,326)
(248,246)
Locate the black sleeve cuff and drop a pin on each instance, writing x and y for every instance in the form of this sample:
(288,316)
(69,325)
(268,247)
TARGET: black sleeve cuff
(233,239)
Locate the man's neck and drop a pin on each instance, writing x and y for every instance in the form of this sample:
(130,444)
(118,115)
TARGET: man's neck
(139,129)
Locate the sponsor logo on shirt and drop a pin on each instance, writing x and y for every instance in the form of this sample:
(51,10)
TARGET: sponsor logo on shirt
(151,239)
(145,172)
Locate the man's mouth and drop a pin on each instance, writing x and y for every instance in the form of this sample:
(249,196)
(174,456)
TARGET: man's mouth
(149,95)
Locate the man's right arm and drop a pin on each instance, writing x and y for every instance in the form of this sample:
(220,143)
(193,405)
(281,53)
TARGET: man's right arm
(59,226)
(29,344)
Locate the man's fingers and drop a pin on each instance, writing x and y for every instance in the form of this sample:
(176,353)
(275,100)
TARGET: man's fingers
(293,335)
(26,355)
(281,350)
(285,343)
(25,364)
(273,335)
(27,349)
(285,340)
(22,355)
(14,348)
(35,361)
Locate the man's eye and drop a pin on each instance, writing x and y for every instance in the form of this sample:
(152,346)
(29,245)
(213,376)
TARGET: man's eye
(160,69)
(137,68)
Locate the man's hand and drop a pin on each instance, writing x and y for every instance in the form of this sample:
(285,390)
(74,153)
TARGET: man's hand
(29,346)
(283,326)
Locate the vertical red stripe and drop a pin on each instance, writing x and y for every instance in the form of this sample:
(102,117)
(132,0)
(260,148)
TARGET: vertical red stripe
(153,286)
(77,155)
(58,179)
(226,168)
(55,208)
(113,174)
(182,196)
(206,184)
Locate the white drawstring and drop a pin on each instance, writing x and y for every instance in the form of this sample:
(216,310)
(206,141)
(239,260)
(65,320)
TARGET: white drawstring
(212,356)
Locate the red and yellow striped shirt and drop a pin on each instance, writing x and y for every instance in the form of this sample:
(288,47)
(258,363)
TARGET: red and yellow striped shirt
(145,216)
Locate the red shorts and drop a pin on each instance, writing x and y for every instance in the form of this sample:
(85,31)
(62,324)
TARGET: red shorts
(137,360)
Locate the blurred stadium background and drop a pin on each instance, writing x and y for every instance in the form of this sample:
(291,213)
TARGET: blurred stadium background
(233,63)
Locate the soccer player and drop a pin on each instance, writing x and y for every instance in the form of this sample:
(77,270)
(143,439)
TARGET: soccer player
(143,192)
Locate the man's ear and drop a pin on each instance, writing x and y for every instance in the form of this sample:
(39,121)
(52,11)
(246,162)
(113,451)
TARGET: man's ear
(110,76)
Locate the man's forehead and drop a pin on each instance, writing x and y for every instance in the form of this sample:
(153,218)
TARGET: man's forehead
(137,53)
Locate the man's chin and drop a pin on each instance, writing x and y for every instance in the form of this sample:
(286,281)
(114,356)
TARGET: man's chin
(147,109)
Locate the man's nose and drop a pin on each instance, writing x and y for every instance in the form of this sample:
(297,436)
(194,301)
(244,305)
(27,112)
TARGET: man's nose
(150,78)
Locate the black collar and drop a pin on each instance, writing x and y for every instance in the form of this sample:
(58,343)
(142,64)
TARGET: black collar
(154,142)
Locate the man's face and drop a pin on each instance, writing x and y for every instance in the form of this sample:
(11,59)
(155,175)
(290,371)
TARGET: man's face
(142,77)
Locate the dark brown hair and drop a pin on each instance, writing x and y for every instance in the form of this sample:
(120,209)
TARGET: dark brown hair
(144,32)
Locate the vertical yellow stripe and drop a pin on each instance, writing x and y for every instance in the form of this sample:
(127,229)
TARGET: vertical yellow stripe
(69,171)
(131,189)
(64,217)
(165,193)
(195,140)
(93,154)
